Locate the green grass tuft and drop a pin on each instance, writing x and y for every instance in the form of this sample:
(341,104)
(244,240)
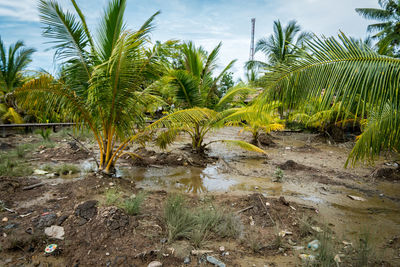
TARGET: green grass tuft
(133,205)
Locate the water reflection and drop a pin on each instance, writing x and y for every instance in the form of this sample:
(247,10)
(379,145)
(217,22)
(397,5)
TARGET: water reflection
(186,179)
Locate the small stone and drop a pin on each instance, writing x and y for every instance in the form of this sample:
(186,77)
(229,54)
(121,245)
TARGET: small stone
(111,184)
(155,264)
(226,253)
(256,187)
(5,219)
(107,254)
(186,260)
(222,248)
(55,231)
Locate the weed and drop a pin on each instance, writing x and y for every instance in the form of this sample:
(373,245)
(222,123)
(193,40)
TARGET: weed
(132,205)
(67,169)
(326,255)
(48,168)
(229,226)
(279,174)
(364,250)
(179,220)
(252,240)
(198,225)
(305,226)
(112,197)
(44,133)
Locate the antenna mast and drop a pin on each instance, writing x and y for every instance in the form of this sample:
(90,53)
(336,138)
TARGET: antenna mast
(253,26)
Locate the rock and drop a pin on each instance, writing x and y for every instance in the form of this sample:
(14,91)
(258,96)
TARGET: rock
(222,248)
(46,220)
(5,219)
(87,210)
(107,254)
(215,261)
(61,219)
(155,264)
(55,231)
(186,260)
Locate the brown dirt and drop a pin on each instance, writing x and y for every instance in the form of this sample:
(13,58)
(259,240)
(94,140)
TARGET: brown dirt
(99,235)
(387,173)
(181,158)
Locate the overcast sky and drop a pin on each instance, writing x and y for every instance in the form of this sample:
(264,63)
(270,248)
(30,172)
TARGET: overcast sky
(206,22)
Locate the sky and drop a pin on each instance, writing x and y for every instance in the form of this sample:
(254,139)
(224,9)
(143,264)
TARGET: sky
(206,22)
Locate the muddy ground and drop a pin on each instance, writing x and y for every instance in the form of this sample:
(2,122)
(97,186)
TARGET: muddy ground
(300,190)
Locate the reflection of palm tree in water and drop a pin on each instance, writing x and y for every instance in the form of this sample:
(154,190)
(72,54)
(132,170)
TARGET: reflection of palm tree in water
(193,184)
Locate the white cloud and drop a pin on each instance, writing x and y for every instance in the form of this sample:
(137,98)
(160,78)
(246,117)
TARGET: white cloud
(206,22)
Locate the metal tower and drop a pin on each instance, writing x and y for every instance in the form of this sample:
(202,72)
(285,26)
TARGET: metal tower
(253,26)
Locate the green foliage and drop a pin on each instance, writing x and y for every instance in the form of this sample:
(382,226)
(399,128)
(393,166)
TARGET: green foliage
(112,196)
(225,84)
(12,64)
(365,252)
(44,133)
(279,174)
(387,29)
(344,73)
(179,220)
(132,205)
(67,169)
(104,87)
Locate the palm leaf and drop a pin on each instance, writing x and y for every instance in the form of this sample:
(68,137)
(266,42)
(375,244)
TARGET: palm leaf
(244,145)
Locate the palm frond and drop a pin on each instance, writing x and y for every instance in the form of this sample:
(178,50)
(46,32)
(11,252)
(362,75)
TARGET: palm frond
(67,33)
(240,91)
(111,27)
(380,134)
(243,145)
(186,87)
(188,116)
(166,137)
(336,71)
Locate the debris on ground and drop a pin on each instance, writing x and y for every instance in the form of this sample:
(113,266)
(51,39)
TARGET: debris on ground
(356,198)
(215,261)
(55,231)
(314,245)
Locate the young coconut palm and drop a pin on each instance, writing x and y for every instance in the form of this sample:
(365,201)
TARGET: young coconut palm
(256,122)
(107,79)
(351,75)
(196,90)
(12,64)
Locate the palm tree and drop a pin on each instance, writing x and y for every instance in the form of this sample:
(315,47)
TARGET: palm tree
(195,90)
(280,47)
(105,83)
(255,122)
(387,30)
(12,64)
(349,74)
